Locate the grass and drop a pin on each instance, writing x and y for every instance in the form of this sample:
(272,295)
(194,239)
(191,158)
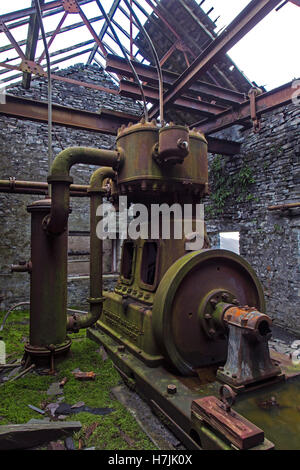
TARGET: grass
(115,431)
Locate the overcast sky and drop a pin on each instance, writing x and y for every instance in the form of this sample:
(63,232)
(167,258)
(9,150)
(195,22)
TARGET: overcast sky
(268,55)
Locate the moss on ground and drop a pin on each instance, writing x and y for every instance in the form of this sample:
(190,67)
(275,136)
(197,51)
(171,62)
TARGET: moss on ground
(115,431)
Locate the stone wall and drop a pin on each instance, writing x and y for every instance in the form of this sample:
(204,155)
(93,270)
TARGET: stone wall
(267,172)
(24,155)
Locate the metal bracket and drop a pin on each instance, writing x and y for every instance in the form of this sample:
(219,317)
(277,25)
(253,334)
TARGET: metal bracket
(70,6)
(253,93)
(32,67)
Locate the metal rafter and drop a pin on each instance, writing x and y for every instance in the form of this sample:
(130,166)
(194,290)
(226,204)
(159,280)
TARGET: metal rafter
(148,74)
(15,15)
(107,122)
(110,15)
(240,26)
(188,104)
(32,40)
(55,33)
(266,102)
(50,33)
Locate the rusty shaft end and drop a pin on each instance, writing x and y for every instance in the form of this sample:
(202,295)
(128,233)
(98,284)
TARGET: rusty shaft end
(249,318)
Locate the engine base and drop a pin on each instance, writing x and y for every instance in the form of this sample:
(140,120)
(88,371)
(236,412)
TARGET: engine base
(169,396)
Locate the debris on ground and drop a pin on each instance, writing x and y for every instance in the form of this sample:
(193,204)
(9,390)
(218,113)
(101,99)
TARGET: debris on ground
(38,410)
(56,446)
(69,443)
(127,439)
(90,430)
(63,382)
(103,353)
(38,421)
(55,389)
(29,435)
(161,437)
(52,407)
(85,375)
(80,444)
(65,409)
(78,405)
(24,372)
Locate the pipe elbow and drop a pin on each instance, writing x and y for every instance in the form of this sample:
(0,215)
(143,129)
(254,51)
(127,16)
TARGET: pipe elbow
(98,177)
(85,155)
(77,322)
(60,179)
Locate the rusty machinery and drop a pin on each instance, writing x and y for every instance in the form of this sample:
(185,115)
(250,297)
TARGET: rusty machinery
(179,324)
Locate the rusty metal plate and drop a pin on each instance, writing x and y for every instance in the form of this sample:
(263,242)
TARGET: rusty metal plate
(32,67)
(70,6)
(235,428)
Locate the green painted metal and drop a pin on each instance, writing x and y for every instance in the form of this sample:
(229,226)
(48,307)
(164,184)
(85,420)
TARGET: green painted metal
(141,175)
(176,324)
(96,299)
(152,383)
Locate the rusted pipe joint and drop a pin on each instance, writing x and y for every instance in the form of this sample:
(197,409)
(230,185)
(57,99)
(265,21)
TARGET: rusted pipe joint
(60,180)
(22,267)
(253,322)
(98,177)
(77,322)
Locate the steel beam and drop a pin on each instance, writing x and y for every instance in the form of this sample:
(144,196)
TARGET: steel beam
(131,90)
(31,44)
(106,122)
(240,26)
(186,38)
(110,15)
(62,79)
(50,34)
(46,14)
(55,33)
(223,146)
(148,74)
(16,15)
(92,31)
(266,102)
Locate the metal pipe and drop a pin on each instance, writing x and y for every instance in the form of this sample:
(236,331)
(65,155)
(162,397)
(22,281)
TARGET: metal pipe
(96,190)
(37,187)
(59,178)
(11,309)
(282,207)
(40,18)
(125,55)
(156,60)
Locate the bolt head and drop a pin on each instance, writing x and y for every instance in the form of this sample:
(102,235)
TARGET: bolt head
(171,389)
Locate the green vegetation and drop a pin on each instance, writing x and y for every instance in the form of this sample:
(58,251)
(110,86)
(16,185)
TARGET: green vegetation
(227,186)
(278,229)
(115,431)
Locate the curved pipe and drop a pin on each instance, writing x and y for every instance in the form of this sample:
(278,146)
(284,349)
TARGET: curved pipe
(60,180)
(108,21)
(156,60)
(75,322)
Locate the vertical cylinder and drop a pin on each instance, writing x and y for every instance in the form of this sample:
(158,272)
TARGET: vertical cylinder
(48,291)
(96,248)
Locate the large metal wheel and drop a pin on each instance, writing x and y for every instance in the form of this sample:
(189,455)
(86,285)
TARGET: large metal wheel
(193,278)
